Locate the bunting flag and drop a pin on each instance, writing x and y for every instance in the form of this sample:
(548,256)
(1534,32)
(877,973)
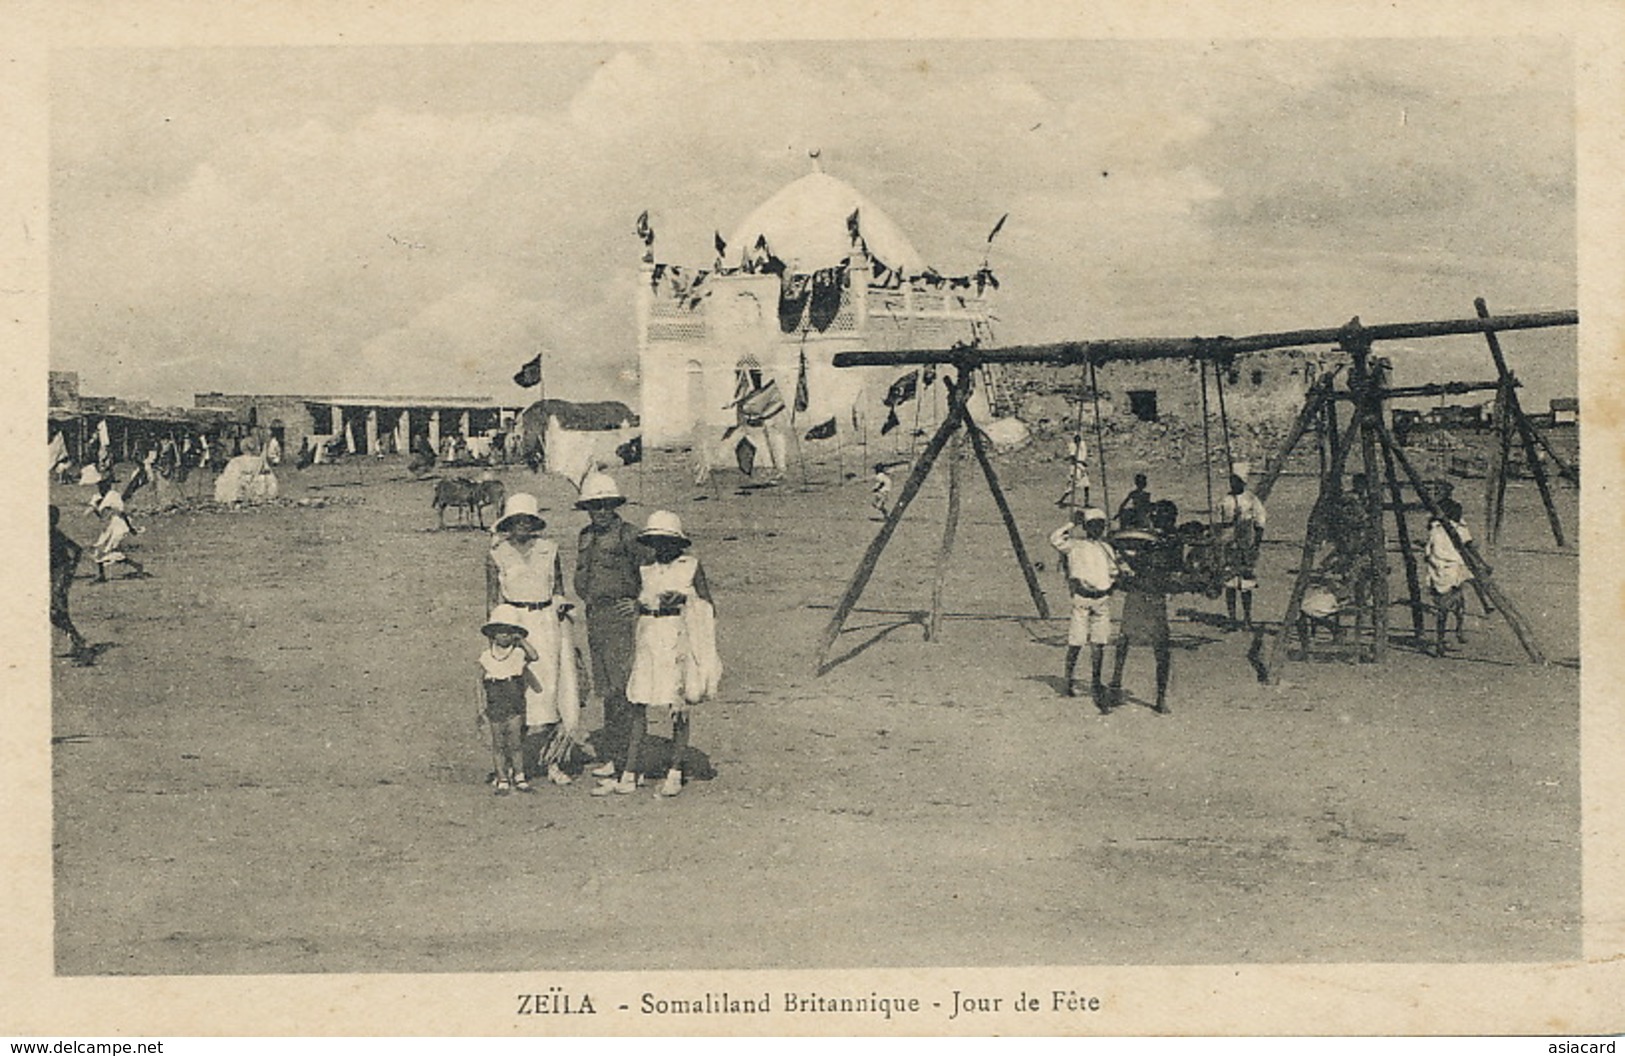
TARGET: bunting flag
(745,455)
(996,228)
(986,278)
(902,390)
(721,244)
(631,452)
(764,403)
(822,431)
(529,375)
(803,399)
(892,421)
(644,231)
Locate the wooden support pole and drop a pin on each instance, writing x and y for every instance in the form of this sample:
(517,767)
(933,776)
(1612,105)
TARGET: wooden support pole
(911,487)
(1525,430)
(1402,530)
(1317,396)
(1312,535)
(1368,413)
(955,455)
(1495,481)
(1195,348)
(978,443)
(1481,571)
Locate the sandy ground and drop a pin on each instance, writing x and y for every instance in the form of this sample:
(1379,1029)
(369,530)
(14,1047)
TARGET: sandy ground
(273,766)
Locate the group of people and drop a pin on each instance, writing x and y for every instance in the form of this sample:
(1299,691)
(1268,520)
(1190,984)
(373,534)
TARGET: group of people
(1145,561)
(651,636)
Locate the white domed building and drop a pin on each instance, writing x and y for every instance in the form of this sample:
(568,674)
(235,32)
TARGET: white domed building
(817,269)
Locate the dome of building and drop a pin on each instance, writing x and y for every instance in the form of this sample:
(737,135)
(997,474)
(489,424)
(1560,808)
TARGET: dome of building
(805,226)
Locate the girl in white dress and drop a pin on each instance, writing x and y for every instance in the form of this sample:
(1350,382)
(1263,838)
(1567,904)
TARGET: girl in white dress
(674,660)
(522,570)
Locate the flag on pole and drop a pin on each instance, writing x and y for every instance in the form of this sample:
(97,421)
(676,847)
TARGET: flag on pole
(891,422)
(721,244)
(822,431)
(803,399)
(996,228)
(852,227)
(530,375)
(644,231)
(902,390)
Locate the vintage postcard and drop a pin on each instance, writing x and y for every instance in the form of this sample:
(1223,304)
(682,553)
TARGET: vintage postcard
(750,520)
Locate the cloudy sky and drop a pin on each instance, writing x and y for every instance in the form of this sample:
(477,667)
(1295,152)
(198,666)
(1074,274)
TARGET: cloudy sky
(424,219)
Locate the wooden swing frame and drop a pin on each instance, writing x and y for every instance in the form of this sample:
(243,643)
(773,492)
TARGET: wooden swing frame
(1381,457)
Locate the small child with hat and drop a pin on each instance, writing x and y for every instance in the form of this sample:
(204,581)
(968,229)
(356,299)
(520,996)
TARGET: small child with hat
(503,664)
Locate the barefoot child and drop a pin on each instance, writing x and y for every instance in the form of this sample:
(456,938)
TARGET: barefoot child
(674,661)
(503,664)
(1447,572)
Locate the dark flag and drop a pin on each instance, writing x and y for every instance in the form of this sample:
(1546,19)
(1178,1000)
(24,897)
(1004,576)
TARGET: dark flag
(891,421)
(722,246)
(902,390)
(852,227)
(929,374)
(996,228)
(644,231)
(631,451)
(745,455)
(530,375)
(823,431)
(802,397)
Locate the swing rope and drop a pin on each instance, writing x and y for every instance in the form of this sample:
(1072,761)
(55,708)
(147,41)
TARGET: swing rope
(1207,452)
(1224,424)
(1100,444)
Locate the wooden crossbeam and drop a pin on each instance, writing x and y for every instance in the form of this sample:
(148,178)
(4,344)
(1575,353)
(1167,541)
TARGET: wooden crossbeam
(1140,349)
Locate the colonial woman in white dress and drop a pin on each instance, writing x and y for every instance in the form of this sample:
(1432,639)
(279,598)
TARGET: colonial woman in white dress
(522,570)
(674,661)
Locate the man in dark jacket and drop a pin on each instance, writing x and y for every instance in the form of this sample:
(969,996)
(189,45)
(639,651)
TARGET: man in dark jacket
(607,581)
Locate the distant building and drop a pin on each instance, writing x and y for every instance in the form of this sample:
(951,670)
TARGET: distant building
(816,269)
(363,424)
(1565,410)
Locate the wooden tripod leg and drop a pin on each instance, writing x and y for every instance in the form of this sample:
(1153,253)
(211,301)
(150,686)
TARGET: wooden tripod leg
(1481,572)
(1413,580)
(1306,417)
(950,529)
(1525,430)
(871,557)
(978,443)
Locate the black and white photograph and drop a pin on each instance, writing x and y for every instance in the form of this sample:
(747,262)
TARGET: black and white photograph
(931,530)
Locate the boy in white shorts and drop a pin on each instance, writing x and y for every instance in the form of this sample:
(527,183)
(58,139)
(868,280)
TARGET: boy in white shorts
(1091,573)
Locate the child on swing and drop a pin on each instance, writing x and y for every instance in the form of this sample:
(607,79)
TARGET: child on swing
(503,663)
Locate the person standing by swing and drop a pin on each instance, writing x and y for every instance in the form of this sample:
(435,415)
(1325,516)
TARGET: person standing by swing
(1149,577)
(1243,516)
(1091,573)
(1077,474)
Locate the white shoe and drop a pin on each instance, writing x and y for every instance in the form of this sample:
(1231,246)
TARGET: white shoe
(557,776)
(603,770)
(673,783)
